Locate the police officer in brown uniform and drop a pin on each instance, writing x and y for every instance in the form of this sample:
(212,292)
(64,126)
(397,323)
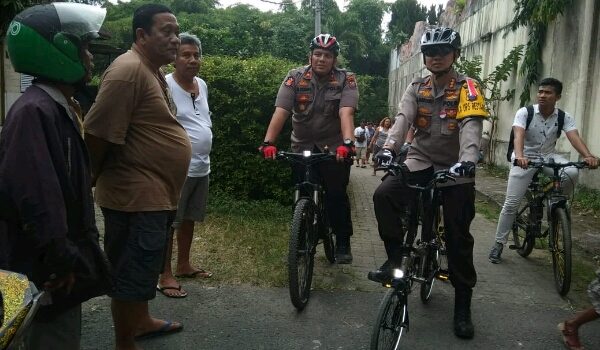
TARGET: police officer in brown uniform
(447,110)
(322,100)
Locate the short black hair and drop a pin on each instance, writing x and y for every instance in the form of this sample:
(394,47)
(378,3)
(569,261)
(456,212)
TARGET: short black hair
(143,17)
(558,86)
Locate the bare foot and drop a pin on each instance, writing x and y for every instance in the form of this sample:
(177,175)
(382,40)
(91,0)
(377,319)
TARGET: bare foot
(158,325)
(189,271)
(569,336)
(170,288)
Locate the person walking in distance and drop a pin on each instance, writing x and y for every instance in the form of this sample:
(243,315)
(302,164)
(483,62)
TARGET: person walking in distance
(447,109)
(140,157)
(191,98)
(322,100)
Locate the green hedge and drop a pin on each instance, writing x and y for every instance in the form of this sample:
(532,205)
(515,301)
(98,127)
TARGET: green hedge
(241,98)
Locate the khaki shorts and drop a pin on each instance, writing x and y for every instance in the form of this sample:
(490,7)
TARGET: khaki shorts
(361,153)
(192,204)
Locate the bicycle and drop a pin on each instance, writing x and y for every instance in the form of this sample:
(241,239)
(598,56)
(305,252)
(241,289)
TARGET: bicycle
(309,224)
(528,222)
(420,263)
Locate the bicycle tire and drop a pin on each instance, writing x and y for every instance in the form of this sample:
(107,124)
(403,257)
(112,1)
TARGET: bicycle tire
(443,273)
(561,251)
(301,256)
(429,273)
(329,247)
(523,238)
(392,319)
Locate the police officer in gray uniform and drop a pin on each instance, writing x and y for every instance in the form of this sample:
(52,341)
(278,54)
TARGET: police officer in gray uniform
(447,111)
(322,100)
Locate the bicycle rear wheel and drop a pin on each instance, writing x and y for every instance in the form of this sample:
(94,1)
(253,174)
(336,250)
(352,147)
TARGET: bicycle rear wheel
(328,242)
(430,272)
(301,255)
(561,251)
(442,258)
(391,321)
(524,241)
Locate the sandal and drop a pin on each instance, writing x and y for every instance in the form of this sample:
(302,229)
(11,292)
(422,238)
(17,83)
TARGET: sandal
(570,338)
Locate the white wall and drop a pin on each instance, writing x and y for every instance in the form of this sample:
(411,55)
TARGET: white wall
(570,54)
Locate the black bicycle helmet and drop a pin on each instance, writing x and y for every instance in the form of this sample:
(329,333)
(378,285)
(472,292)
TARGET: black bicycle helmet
(325,41)
(440,36)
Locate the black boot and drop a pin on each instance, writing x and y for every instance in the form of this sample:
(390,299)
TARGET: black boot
(463,327)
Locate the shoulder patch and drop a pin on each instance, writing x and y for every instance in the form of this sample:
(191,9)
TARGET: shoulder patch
(289,81)
(351,80)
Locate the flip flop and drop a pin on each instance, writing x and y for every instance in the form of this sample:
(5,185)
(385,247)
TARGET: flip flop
(162,331)
(571,344)
(161,290)
(206,274)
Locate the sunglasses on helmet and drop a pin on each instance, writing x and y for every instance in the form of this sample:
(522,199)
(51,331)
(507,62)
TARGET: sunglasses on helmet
(437,51)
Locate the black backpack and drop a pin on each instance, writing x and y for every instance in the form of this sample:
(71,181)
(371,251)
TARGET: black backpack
(511,141)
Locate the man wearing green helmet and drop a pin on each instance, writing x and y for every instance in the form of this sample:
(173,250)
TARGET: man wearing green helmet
(45,192)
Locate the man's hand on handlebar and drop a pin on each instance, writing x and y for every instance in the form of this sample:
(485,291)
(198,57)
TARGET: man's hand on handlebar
(385,157)
(268,150)
(591,161)
(464,169)
(523,162)
(344,152)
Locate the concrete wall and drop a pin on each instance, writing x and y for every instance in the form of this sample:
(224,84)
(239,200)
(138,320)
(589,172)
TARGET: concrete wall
(570,54)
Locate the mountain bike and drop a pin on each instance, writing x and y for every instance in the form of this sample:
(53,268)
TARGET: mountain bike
(529,223)
(421,262)
(310,223)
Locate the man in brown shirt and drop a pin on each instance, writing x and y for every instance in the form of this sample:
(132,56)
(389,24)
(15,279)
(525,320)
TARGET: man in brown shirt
(140,155)
(322,100)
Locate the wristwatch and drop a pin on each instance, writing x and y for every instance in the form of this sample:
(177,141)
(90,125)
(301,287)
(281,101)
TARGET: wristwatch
(348,142)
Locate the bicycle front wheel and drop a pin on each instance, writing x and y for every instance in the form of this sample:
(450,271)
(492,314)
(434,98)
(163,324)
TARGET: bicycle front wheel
(523,239)
(391,321)
(301,256)
(561,251)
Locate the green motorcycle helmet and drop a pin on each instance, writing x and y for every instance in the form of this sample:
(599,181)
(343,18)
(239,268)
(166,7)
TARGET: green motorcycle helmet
(45,40)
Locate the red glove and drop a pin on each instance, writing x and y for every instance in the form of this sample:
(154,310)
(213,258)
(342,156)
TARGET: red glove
(344,151)
(267,149)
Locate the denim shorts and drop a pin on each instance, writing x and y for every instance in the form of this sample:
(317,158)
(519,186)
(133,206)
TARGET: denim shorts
(135,243)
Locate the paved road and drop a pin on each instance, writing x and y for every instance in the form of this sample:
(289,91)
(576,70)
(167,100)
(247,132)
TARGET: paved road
(515,304)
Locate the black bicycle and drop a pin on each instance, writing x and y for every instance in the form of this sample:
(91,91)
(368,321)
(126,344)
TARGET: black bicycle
(421,262)
(529,223)
(309,224)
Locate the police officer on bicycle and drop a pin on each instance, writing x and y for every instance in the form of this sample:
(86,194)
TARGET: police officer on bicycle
(322,99)
(447,110)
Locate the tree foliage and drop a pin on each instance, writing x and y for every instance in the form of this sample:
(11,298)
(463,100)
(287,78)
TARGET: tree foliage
(537,15)
(405,14)
(434,13)
(490,87)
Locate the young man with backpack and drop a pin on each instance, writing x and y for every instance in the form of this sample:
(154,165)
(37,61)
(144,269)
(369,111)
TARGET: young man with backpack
(535,131)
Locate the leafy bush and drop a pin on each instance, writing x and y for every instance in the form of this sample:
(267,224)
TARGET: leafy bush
(241,98)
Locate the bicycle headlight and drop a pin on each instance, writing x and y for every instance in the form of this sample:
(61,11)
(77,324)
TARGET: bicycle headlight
(307,153)
(397,273)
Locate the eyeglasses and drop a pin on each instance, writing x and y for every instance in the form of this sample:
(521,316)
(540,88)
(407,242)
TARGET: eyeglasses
(438,51)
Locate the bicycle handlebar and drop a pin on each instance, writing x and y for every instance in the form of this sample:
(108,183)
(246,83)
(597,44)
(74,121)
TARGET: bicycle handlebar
(307,157)
(552,164)
(440,176)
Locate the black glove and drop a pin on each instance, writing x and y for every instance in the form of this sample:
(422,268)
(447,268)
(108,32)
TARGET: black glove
(466,169)
(385,157)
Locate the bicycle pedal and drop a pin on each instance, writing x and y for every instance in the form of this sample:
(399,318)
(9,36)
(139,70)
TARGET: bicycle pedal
(513,247)
(442,275)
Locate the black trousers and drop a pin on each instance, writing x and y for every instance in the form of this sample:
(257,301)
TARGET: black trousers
(390,201)
(335,177)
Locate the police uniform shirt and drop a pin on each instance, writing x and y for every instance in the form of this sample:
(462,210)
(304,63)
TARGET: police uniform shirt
(315,106)
(448,123)
(541,136)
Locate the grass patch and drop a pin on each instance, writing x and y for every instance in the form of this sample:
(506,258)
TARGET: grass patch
(587,199)
(488,211)
(243,242)
(497,170)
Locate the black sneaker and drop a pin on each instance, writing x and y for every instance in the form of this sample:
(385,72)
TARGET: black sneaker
(343,253)
(496,252)
(384,274)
